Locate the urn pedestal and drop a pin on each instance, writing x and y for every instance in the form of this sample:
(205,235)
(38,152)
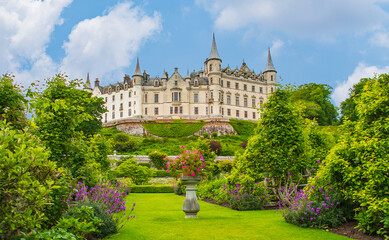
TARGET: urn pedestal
(191,206)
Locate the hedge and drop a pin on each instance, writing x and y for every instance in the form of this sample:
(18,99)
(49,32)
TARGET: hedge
(152,189)
(161,173)
(173,129)
(243,127)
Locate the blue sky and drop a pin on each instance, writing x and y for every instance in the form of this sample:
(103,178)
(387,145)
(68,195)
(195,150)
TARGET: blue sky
(335,42)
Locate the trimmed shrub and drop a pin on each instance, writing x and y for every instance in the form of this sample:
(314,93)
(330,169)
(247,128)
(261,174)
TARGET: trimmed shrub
(138,174)
(214,134)
(121,137)
(176,128)
(215,146)
(152,189)
(157,159)
(205,135)
(243,127)
(144,164)
(128,146)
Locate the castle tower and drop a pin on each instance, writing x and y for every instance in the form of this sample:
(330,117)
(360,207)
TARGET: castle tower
(212,67)
(270,71)
(137,94)
(88,86)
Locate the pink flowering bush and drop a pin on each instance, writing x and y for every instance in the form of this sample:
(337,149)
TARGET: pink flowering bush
(189,162)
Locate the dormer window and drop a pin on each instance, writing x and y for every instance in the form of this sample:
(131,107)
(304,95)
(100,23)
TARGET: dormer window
(196,83)
(126,86)
(176,82)
(156,83)
(117,88)
(109,90)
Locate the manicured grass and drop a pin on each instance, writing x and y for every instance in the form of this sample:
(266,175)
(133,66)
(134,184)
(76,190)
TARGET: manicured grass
(159,216)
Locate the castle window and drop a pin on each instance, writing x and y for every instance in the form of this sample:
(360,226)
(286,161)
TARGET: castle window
(260,90)
(117,88)
(245,102)
(253,102)
(236,85)
(271,78)
(125,86)
(171,110)
(121,106)
(228,112)
(253,88)
(237,101)
(113,97)
(211,95)
(129,104)
(145,98)
(156,98)
(196,97)
(221,83)
(181,110)
(176,96)
(228,84)
(156,83)
(271,89)
(175,110)
(253,115)
(237,113)
(211,109)
(145,111)
(176,83)
(156,111)
(260,102)
(210,67)
(113,107)
(105,118)
(109,90)
(129,94)
(196,83)
(206,110)
(222,111)
(228,99)
(129,112)
(121,96)
(134,93)
(196,110)
(121,114)
(245,87)
(113,115)
(106,99)
(211,80)
(245,114)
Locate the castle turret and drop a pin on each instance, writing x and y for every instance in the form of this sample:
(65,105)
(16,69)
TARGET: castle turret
(88,86)
(212,69)
(270,73)
(138,93)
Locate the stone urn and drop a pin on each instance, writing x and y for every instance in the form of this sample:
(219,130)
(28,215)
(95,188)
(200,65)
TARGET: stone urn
(191,205)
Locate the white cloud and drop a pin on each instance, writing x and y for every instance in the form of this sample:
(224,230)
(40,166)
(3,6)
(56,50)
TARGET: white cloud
(105,44)
(25,29)
(276,47)
(341,91)
(380,39)
(323,19)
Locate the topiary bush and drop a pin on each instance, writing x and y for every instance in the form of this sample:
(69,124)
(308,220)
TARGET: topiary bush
(205,135)
(214,134)
(158,159)
(138,174)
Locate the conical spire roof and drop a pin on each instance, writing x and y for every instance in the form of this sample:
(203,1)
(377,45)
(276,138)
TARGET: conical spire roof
(137,69)
(214,53)
(87,83)
(269,64)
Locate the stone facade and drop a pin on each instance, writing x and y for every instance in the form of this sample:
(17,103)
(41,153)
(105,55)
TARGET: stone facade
(212,93)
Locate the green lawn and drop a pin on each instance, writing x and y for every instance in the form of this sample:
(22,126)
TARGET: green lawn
(159,216)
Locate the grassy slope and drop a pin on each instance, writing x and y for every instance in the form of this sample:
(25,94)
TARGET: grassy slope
(159,216)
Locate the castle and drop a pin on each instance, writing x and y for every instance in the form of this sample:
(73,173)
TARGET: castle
(213,93)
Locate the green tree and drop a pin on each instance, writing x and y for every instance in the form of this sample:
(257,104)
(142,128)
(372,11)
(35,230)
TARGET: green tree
(348,106)
(316,101)
(277,150)
(358,165)
(62,114)
(12,103)
(27,177)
